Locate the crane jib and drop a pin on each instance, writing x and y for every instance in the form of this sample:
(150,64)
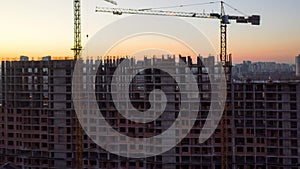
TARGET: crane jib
(254,19)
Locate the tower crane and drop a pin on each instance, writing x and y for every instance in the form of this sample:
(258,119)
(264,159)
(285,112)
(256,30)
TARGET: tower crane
(224,20)
(77,50)
(226,60)
(77,56)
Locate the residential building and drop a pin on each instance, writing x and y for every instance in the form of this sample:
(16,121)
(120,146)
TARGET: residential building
(37,118)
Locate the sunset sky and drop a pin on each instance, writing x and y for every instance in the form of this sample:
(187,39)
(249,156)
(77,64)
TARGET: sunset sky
(45,27)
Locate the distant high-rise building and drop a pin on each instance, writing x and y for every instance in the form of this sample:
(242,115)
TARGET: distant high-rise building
(297,62)
(209,63)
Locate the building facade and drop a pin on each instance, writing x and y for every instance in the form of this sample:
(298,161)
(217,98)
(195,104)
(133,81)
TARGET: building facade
(36,114)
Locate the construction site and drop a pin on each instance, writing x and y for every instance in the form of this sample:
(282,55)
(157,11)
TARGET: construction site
(260,126)
(38,122)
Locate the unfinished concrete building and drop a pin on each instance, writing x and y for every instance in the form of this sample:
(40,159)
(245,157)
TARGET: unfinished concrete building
(38,119)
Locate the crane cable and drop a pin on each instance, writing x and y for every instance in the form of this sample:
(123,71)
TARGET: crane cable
(195,4)
(179,6)
(235,9)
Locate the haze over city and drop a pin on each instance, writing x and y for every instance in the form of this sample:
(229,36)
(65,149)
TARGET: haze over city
(40,28)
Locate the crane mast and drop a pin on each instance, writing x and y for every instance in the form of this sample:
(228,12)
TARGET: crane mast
(224,58)
(77,50)
(77,30)
(227,69)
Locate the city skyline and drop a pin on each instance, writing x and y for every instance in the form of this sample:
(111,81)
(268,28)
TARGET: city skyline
(41,28)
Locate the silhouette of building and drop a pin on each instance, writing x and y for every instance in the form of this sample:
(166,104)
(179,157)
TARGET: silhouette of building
(297,61)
